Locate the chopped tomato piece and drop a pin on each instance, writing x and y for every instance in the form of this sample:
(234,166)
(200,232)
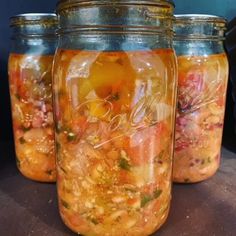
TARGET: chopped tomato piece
(145,145)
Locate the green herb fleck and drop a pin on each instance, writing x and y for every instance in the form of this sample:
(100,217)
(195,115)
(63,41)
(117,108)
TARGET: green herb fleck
(63,170)
(94,221)
(17,96)
(58,129)
(186,180)
(49,172)
(115,97)
(58,145)
(71,137)
(65,204)
(205,162)
(22,140)
(161,155)
(124,164)
(145,199)
(25,129)
(18,162)
(157,193)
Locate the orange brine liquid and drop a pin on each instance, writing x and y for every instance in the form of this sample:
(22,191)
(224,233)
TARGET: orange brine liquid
(200,116)
(115,114)
(31,97)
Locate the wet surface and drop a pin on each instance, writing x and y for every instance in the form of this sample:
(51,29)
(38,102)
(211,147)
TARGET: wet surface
(206,209)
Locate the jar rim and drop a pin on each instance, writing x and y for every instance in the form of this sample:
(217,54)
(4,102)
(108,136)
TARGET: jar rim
(34,19)
(199,27)
(205,18)
(116,16)
(66,4)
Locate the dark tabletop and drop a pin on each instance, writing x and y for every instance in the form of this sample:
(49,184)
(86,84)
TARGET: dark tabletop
(206,209)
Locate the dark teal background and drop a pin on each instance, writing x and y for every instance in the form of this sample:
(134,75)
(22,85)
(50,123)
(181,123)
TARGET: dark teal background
(226,8)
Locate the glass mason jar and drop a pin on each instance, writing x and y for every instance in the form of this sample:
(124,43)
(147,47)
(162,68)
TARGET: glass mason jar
(114,99)
(203,77)
(30,63)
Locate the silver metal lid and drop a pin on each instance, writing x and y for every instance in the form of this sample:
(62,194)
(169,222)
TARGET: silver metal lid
(200,18)
(65,4)
(199,26)
(34,19)
(147,16)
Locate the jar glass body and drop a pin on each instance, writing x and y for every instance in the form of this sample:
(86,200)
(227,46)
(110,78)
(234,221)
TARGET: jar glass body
(30,64)
(203,78)
(114,100)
